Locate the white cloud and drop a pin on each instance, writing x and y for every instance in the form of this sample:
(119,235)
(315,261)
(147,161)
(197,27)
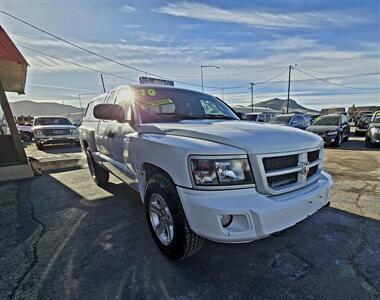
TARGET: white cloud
(132,26)
(292,43)
(127,9)
(257,18)
(189,26)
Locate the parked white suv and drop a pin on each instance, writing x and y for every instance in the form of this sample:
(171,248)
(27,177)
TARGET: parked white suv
(200,171)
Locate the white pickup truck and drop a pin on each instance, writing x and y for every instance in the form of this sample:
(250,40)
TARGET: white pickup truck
(202,172)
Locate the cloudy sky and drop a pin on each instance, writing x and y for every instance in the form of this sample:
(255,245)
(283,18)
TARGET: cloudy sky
(251,41)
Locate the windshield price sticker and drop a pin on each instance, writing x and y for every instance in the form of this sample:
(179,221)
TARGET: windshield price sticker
(148,92)
(157,103)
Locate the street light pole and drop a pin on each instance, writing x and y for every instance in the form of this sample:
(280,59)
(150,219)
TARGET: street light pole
(287,101)
(252,84)
(80,100)
(202,73)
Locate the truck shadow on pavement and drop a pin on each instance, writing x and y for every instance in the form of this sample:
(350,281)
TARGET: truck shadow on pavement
(95,244)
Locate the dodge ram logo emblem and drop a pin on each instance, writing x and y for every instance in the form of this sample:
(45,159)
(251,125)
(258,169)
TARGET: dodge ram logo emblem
(305,168)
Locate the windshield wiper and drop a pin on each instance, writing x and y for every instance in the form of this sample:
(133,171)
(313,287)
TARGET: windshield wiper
(218,116)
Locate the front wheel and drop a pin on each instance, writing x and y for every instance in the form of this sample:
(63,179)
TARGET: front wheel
(98,174)
(338,141)
(167,220)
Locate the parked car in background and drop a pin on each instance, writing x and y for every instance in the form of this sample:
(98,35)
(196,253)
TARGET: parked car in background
(54,130)
(362,125)
(264,117)
(292,120)
(373,132)
(333,128)
(200,171)
(25,132)
(360,114)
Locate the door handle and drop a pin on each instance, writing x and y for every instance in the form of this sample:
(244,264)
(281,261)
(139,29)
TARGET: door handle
(110,134)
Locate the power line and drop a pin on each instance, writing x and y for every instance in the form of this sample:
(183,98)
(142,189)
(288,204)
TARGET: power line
(344,74)
(274,77)
(95,53)
(76,64)
(337,84)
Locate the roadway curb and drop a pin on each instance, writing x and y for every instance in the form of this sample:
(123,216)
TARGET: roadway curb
(56,162)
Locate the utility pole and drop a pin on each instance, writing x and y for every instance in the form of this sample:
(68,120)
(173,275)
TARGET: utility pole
(252,84)
(287,102)
(104,88)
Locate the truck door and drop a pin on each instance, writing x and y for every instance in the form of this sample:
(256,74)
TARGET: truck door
(121,135)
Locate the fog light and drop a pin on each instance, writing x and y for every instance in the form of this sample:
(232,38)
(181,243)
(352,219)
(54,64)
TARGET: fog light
(226,220)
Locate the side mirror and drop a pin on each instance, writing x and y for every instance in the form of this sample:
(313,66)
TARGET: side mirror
(112,112)
(241,116)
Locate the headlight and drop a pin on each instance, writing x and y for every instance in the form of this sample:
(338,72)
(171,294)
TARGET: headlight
(74,131)
(221,172)
(375,130)
(38,132)
(332,133)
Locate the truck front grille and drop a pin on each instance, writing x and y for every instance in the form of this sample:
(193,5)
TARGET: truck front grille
(313,155)
(281,180)
(280,162)
(284,173)
(55,132)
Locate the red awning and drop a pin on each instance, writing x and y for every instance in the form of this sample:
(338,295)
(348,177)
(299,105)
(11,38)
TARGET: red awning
(13,66)
(8,50)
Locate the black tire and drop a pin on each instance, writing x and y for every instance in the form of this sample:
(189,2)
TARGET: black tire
(185,242)
(346,138)
(98,173)
(26,136)
(338,141)
(39,146)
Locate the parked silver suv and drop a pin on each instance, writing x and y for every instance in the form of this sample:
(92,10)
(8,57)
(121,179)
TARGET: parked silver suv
(54,130)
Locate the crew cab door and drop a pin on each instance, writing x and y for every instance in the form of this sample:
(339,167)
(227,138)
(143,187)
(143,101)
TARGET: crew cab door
(103,140)
(121,136)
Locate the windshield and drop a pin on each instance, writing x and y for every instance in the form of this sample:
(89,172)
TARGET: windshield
(366,118)
(376,118)
(327,121)
(171,105)
(280,120)
(52,121)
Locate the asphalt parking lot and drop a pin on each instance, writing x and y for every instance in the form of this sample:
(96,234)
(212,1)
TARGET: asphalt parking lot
(65,238)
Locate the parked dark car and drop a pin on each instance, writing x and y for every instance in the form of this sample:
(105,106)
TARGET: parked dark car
(293,120)
(359,115)
(263,117)
(362,125)
(333,128)
(373,132)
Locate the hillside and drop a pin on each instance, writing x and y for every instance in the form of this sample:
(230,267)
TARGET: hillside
(280,104)
(31,108)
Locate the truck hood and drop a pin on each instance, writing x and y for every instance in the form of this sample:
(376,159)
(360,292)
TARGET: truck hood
(252,137)
(54,127)
(322,129)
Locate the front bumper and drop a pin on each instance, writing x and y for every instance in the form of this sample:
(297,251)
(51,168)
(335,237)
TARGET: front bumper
(329,139)
(254,215)
(374,137)
(56,139)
